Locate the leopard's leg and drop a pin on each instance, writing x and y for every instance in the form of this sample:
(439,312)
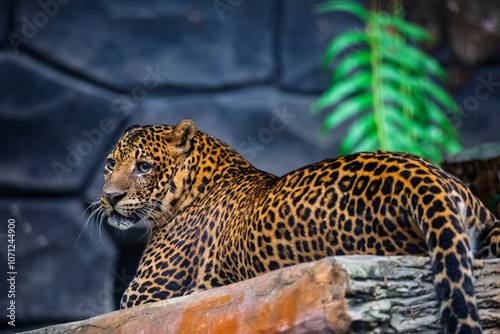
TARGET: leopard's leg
(488,240)
(481,224)
(490,244)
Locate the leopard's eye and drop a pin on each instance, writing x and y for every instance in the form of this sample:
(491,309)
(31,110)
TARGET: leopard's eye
(111,164)
(144,167)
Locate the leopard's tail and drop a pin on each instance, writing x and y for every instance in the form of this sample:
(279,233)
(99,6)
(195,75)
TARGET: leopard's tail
(445,225)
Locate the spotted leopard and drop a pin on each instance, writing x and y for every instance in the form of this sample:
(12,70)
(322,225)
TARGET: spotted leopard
(216,220)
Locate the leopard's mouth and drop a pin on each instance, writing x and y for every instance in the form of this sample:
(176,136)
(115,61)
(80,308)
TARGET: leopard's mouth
(121,222)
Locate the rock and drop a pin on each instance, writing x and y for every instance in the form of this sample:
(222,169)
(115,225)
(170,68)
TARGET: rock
(474,30)
(64,269)
(478,102)
(4,18)
(199,44)
(304,38)
(349,294)
(55,127)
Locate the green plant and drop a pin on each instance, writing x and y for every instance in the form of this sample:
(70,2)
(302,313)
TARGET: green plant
(389,85)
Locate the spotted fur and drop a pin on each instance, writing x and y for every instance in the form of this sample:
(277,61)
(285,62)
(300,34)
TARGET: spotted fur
(217,220)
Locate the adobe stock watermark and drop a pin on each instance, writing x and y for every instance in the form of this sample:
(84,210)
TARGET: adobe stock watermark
(11,271)
(222,6)
(251,147)
(30,26)
(483,91)
(121,108)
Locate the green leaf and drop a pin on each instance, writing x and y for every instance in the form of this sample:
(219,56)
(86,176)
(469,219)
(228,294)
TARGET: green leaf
(346,6)
(348,109)
(350,63)
(403,143)
(418,85)
(438,136)
(398,77)
(432,152)
(393,94)
(342,42)
(438,93)
(435,142)
(414,131)
(408,54)
(407,84)
(397,60)
(437,116)
(451,146)
(409,30)
(342,90)
(396,116)
(370,143)
(358,131)
(427,132)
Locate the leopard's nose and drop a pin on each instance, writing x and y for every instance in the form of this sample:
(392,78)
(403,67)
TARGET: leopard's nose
(113,198)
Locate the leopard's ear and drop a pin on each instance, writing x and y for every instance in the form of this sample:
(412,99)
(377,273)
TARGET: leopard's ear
(182,135)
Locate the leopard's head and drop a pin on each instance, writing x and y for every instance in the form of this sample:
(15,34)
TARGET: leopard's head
(139,172)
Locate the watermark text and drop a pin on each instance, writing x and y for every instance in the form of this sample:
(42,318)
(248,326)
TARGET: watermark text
(11,271)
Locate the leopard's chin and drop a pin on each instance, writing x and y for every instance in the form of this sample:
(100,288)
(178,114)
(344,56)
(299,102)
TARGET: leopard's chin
(121,222)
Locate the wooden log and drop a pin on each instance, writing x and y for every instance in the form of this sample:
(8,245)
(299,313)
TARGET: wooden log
(396,294)
(347,294)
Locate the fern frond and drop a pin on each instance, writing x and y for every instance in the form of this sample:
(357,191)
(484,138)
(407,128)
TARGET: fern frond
(388,87)
(343,42)
(358,83)
(348,109)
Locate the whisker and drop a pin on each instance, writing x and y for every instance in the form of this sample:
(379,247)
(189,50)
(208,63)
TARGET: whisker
(94,209)
(158,215)
(102,216)
(175,191)
(141,215)
(158,204)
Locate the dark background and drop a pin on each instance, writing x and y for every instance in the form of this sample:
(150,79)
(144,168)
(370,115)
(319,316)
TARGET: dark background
(75,74)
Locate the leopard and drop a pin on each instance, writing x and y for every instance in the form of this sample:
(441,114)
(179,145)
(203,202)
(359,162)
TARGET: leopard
(214,219)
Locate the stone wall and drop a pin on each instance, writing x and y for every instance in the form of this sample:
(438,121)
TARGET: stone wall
(76,73)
